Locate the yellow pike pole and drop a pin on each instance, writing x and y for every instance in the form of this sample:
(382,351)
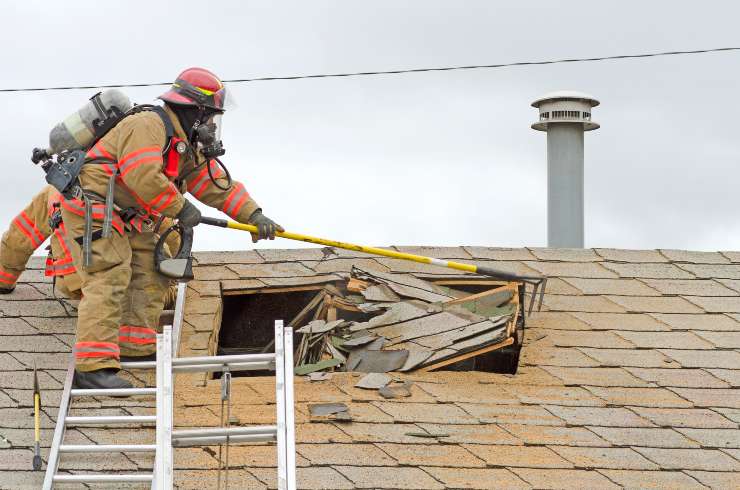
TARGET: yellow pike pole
(537,282)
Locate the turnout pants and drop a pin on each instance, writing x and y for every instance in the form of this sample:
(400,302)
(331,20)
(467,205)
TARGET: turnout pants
(122,296)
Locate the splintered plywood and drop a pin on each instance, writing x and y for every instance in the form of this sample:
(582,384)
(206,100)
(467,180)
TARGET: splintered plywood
(422,327)
(396,313)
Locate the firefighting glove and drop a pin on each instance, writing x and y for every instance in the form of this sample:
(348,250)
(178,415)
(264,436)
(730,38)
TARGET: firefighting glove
(7,289)
(189,215)
(265,226)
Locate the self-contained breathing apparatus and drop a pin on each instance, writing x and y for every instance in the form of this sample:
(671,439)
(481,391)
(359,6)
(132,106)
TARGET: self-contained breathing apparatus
(69,142)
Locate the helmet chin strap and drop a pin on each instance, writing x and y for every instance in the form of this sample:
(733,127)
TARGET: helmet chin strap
(194,128)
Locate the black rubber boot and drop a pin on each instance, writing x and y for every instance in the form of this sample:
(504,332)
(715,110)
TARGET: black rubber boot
(150,357)
(100,379)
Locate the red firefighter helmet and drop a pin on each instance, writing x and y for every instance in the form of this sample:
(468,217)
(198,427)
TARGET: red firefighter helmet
(197,87)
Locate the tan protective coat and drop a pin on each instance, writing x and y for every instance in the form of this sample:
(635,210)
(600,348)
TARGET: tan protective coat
(31,228)
(27,232)
(121,287)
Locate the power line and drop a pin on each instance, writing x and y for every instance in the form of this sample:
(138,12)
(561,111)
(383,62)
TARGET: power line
(391,72)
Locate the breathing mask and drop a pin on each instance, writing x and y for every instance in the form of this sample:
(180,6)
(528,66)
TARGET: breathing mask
(208,136)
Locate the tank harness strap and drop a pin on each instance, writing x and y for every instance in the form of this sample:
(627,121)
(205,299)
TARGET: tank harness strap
(169,128)
(87,234)
(108,219)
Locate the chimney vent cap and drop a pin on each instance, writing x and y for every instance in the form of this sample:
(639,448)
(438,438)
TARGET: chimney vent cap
(566,95)
(565,106)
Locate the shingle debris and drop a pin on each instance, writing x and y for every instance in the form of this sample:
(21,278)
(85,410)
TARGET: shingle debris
(378,322)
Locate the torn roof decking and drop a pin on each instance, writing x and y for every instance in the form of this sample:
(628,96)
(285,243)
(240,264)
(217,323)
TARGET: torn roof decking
(430,323)
(630,374)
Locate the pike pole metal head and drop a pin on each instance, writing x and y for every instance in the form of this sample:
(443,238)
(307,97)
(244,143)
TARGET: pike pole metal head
(36,390)
(538,283)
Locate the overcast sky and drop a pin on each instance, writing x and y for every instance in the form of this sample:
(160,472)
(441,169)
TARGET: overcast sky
(426,159)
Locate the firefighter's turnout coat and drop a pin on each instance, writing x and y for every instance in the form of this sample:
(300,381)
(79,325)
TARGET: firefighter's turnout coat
(31,228)
(27,232)
(120,286)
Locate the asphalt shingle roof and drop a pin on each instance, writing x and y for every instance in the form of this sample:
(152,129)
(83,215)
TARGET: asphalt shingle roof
(629,377)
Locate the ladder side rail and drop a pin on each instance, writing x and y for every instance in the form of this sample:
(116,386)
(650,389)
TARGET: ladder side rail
(59,430)
(177,321)
(282,476)
(163,470)
(289,408)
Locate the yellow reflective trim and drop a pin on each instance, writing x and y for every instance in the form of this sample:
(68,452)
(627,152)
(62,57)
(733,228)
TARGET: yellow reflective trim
(201,90)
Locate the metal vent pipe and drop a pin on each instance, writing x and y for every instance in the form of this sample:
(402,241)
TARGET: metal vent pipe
(565,115)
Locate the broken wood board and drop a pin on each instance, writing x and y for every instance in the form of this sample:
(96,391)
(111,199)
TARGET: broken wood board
(320,326)
(484,294)
(451,337)
(461,357)
(356,285)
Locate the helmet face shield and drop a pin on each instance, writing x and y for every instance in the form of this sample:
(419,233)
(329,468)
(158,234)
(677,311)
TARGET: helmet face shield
(229,99)
(214,123)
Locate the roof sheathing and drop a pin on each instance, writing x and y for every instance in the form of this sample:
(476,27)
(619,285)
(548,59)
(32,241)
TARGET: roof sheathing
(629,374)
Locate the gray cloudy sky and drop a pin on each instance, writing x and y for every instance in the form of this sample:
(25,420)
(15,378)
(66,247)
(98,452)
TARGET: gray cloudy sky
(431,158)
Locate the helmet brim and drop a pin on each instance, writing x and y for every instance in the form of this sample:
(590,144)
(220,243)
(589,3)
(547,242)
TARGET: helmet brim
(174,98)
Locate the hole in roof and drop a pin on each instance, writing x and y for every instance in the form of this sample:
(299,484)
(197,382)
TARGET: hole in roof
(248,322)
(248,319)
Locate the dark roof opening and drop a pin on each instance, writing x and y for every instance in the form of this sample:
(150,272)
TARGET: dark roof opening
(382,323)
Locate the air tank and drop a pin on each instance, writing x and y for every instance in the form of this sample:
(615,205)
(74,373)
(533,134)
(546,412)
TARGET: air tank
(91,121)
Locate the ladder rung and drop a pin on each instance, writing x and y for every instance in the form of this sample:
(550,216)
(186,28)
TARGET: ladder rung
(237,366)
(222,431)
(210,441)
(209,360)
(139,365)
(112,419)
(179,361)
(115,392)
(101,478)
(215,365)
(107,448)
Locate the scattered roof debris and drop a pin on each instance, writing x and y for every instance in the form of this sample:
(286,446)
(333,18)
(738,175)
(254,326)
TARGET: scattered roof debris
(378,322)
(319,376)
(396,390)
(323,409)
(373,381)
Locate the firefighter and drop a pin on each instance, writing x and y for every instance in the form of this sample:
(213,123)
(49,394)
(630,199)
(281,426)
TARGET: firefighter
(40,220)
(27,232)
(146,162)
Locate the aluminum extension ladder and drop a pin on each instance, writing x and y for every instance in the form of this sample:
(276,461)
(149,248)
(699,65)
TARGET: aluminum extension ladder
(167,438)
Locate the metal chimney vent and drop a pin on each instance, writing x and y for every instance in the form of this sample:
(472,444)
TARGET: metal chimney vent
(565,115)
